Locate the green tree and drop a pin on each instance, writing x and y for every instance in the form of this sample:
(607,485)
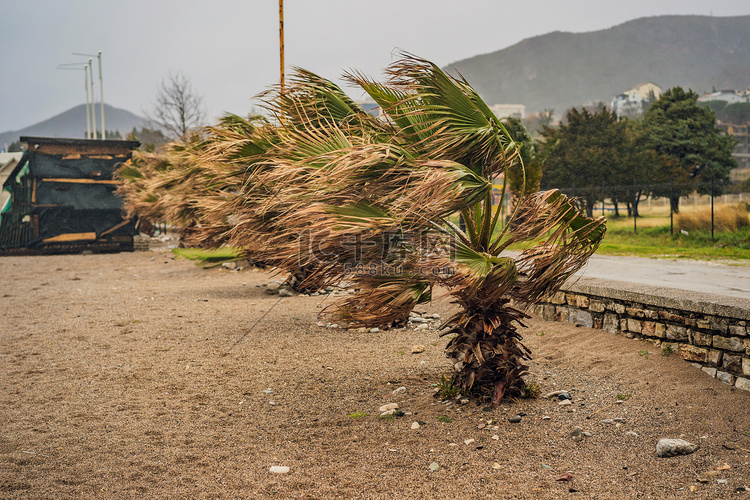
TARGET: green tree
(633,177)
(737,113)
(525,175)
(695,154)
(584,156)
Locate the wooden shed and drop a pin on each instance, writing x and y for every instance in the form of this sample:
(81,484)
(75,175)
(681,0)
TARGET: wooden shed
(62,198)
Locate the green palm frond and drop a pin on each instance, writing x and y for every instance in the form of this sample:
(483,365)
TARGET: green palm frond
(563,239)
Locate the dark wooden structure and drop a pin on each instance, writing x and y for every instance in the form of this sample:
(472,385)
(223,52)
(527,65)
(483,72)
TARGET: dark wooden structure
(63,198)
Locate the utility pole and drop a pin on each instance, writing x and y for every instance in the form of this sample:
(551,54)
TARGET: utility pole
(93,99)
(101,94)
(281,40)
(88,118)
(101,91)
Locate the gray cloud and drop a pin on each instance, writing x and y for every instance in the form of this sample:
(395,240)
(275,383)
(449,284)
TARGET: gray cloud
(229,48)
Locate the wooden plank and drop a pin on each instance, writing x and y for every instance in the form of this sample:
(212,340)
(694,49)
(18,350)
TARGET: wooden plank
(80,181)
(115,228)
(71,237)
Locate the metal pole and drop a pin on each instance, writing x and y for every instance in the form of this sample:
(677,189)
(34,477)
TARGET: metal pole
(281,40)
(101,89)
(712,203)
(101,93)
(671,213)
(93,99)
(88,118)
(635,224)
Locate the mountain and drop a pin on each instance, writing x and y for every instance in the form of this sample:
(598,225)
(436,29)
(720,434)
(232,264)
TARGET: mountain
(72,123)
(561,70)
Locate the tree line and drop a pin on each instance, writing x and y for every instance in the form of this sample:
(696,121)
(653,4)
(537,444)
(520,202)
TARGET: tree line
(673,151)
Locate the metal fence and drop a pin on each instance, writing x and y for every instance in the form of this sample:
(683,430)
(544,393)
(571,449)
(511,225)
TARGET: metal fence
(624,200)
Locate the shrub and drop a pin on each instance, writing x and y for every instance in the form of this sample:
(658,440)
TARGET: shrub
(727,218)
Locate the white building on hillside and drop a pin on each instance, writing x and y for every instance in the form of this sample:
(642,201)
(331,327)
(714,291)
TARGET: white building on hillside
(730,96)
(633,102)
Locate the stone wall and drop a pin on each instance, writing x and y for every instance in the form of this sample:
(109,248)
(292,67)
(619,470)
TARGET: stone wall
(710,331)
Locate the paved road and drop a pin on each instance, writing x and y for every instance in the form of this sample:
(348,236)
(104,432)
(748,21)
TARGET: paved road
(698,276)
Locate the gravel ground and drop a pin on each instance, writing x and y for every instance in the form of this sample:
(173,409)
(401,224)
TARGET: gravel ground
(138,375)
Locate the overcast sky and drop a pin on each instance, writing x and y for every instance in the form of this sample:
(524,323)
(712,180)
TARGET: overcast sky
(229,49)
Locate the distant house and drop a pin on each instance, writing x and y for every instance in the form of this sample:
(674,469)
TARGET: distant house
(633,102)
(511,110)
(730,96)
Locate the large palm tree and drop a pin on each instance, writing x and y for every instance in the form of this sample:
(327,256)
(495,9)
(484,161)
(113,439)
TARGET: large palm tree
(369,201)
(335,195)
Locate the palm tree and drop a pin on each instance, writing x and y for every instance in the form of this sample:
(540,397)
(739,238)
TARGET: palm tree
(187,180)
(334,195)
(369,201)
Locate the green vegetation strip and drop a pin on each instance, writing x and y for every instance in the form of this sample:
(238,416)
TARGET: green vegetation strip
(658,242)
(203,256)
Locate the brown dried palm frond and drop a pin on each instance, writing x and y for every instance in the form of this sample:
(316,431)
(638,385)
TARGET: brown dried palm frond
(136,190)
(181,185)
(382,300)
(562,238)
(311,102)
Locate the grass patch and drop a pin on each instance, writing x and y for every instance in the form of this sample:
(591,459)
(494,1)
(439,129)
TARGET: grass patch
(656,241)
(727,218)
(532,390)
(358,414)
(447,389)
(445,419)
(213,256)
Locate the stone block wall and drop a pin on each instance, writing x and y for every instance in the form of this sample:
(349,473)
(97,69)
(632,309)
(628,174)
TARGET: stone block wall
(710,331)
(141,243)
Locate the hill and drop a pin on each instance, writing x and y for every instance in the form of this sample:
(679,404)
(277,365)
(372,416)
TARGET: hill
(560,70)
(72,123)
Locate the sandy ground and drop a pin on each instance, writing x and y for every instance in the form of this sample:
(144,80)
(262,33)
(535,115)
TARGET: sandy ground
(141,376)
